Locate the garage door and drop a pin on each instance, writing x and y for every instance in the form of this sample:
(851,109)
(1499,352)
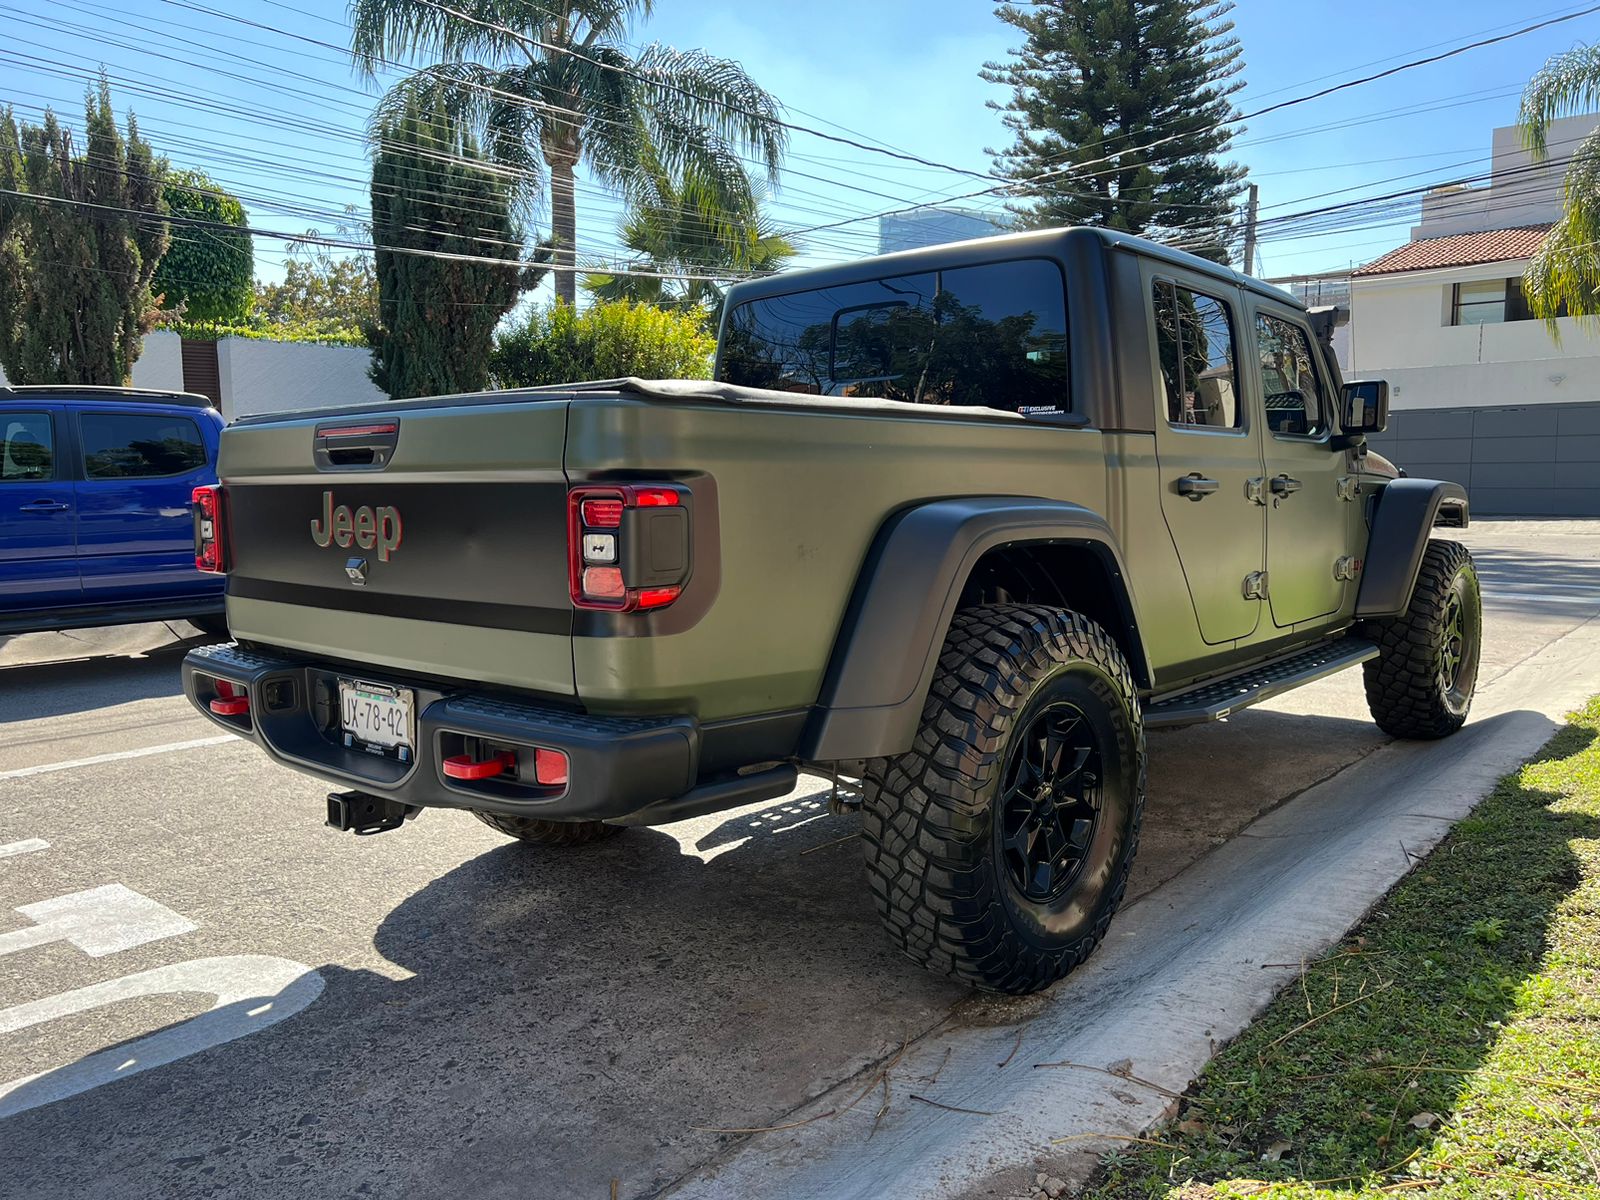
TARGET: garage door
(1536,460)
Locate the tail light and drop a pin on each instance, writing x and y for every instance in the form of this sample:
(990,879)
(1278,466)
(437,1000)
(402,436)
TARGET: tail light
(627,546)
(210,530)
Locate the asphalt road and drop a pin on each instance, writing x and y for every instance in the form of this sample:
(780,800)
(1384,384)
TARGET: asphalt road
(441,1012)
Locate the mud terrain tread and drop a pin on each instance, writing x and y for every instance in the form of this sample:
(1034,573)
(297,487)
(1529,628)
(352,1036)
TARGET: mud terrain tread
(1402,689)
(924,827)
(539,832)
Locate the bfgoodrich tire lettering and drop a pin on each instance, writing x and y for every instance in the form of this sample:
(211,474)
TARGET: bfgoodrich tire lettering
(548,833)
(1421,684)
(941,844)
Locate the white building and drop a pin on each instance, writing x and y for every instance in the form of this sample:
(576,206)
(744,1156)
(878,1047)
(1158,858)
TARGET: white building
(1480,391)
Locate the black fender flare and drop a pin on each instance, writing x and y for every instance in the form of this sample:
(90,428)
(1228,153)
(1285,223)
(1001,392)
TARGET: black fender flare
(905,597)
(1405,511)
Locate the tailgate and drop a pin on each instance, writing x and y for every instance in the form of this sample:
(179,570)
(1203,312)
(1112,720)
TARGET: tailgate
(425,540)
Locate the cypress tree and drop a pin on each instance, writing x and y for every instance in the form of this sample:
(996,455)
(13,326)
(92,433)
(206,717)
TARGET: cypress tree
(436,315)
(1094,84)
(78,250)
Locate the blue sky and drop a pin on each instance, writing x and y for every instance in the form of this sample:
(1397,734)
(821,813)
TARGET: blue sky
(273,110)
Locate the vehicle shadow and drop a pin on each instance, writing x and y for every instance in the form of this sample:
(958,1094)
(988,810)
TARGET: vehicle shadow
(554,1019)
(31,691)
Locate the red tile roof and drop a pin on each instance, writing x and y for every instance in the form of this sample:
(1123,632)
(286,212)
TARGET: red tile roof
(1459,250)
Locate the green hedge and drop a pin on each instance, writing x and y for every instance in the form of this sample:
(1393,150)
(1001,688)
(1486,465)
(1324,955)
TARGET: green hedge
(325,335)
(604,341)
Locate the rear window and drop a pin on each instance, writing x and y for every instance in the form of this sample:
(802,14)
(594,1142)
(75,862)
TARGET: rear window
(139,445)
(27,453)
(990,336)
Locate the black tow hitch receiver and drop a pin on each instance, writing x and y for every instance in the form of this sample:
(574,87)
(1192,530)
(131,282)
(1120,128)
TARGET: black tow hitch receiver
(361,813)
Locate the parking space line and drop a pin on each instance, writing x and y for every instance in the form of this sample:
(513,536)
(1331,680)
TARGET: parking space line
(71,764)
(26,846)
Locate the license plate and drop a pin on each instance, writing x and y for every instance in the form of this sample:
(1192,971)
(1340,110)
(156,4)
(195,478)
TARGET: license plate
(376,718)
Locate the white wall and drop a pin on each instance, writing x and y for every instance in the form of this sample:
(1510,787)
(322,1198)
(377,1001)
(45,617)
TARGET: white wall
(159,366)
(160,362)
(1400,331)
(264,377)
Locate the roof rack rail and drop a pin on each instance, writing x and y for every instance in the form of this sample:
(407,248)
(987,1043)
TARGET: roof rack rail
(87,391)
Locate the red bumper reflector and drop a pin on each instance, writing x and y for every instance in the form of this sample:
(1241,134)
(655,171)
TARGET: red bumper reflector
(462,767)
(550,767)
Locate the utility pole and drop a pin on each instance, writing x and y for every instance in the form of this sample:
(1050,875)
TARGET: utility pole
(1250,231)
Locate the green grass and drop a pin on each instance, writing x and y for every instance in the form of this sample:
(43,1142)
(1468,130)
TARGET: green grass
(1448,1047)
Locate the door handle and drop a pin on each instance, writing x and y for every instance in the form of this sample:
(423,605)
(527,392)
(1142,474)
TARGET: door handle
(1282,485)
(1196,486)
(46,506)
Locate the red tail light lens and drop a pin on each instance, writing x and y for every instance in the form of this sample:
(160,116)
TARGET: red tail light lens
(601,514)
(627,562)
(210,530)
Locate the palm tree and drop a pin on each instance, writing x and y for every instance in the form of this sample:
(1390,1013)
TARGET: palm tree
(549,84)
(1563,278)
(687,237)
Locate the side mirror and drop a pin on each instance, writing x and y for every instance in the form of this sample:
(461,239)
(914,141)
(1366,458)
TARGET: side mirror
(1366,407)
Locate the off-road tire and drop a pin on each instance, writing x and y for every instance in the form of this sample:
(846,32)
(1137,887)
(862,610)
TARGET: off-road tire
(935,864)
(537,832)
(1410,690)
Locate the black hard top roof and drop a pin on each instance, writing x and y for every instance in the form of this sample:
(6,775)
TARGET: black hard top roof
(85,391)
(1053,242)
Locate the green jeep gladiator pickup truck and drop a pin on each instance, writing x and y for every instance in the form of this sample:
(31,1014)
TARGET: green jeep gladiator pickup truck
(962,523)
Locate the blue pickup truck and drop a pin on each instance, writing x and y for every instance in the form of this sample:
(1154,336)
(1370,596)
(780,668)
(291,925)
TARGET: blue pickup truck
(96,526)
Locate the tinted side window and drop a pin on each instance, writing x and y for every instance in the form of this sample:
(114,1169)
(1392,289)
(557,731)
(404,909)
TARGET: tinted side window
(136,445)
(1199,375)
(1000,338)
(863,339)
(28,452)
(1289,382)
(992,336)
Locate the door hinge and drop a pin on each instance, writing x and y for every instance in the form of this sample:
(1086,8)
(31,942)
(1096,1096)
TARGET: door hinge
(1255,585)
(1255,491)
(1346,566)
(1349,487)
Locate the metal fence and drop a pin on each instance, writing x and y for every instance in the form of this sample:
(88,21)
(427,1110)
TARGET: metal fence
(1536,460)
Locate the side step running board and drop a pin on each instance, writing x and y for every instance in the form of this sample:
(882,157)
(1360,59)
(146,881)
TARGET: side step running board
(1215,700)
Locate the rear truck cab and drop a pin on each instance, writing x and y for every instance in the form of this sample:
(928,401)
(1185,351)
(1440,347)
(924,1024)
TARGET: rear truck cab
(961,523)
(95,526)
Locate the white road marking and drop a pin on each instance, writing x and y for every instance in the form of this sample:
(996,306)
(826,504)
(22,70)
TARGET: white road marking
(249,991)
(26,846)
(143,752)
(100,921)
(1542,597)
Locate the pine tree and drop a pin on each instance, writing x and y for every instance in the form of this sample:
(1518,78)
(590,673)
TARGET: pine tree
(436,315)
(1094,85)
(78,249)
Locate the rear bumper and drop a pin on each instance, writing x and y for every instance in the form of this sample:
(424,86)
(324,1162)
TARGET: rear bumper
(617,766)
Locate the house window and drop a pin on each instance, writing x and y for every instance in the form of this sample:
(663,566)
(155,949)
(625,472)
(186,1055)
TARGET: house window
(1490,302)
(1479,303)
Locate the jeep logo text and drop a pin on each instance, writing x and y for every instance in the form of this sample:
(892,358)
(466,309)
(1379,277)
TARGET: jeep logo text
(369,528)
